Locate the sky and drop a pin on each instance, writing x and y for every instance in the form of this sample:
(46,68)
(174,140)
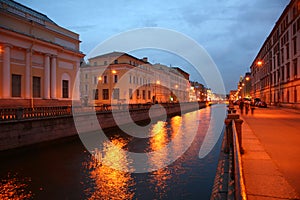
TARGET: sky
(231,31)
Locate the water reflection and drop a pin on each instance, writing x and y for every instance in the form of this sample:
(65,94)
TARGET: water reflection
(66,171)
(158,141)
(13,187)
(110,183)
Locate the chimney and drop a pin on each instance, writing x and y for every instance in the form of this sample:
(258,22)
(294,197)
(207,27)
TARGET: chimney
(145,59)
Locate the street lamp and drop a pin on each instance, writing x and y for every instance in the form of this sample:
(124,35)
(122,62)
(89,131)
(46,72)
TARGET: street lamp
(259,63)
(155,96)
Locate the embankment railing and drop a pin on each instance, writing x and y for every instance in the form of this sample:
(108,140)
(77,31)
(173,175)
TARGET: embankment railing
(12,114)
(240,190)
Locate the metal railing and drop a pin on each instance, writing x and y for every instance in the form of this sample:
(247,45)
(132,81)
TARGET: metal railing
(229,182)
(240,189)
(8,114)
(11,114)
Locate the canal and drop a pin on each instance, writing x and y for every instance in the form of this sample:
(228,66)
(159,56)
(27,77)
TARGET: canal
(64,169)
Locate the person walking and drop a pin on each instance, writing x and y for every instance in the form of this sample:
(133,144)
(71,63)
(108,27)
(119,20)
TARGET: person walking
(247,105)
(241,106)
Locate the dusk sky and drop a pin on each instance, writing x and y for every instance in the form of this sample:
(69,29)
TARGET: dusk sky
(231,31)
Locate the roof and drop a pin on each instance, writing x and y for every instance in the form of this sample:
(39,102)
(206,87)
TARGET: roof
(23,11)
(117,54)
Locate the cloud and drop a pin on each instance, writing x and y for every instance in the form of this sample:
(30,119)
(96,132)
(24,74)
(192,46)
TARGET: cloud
(232,31)
(82,28)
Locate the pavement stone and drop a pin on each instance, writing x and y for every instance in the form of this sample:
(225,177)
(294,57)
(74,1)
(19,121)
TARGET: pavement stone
(264,180)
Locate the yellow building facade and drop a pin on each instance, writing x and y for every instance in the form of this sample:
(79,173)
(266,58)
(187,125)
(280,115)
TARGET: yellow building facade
(119,78)
(38,59)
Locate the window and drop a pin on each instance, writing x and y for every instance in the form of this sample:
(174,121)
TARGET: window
(130,79)
(295,67)
(105,79)
(36,87)
(95,80)
(105,95)
(144,94)
(86,88)
(86,76)
(95,94)
(116,93)
(16,85)
(287,51)
(105,62)
(95,63)
(130,93)
(295,95)
(137,94)
(295,45)
(65,89)
(288,70)
(282,55)
(288,96)
(115,78)
(149,94)
(116,61)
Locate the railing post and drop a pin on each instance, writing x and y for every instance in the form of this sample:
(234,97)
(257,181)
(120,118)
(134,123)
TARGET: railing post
(238,125)
(19,113)
(228,135)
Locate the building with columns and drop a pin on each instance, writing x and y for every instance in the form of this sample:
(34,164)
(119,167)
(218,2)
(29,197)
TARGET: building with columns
(38,59)
(275,72)
(118,77)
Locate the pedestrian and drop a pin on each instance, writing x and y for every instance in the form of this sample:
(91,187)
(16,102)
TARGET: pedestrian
(247,105)
(241,106)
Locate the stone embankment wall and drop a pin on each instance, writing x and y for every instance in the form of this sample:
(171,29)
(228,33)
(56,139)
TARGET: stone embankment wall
(19,133)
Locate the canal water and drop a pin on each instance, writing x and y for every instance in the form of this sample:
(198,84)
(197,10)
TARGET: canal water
(64,169)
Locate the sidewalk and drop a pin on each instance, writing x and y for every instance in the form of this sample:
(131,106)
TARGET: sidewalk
(271,162)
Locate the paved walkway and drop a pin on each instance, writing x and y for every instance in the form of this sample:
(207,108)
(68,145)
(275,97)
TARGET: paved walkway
(271,163)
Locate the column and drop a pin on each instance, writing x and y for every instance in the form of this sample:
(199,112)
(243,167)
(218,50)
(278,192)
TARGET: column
(74,84)
(28,74)
(47,77)
(6,79)
(53,77)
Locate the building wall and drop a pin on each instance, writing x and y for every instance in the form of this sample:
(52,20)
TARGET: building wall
(138,81)
(31,45)
(277,79)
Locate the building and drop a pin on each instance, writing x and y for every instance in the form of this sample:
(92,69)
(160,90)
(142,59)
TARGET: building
(115,78)
(275,71)
(198,91)
(233,95)
(118,77)
(244,86)
(38,59)
(172,84)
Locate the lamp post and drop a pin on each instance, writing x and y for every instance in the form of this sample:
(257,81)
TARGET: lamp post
(113,80)
(156,83)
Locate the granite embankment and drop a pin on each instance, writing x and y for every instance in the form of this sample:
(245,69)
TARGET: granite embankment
(21,127)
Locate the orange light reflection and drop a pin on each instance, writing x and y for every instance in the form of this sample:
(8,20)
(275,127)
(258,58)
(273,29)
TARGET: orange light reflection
(15,188)
(157,142)
(109,182)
